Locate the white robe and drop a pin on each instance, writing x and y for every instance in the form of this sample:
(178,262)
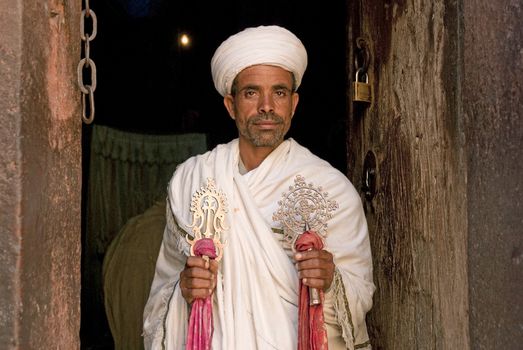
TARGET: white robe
(255,302)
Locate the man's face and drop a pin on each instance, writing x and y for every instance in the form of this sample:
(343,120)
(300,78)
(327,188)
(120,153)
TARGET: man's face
(263,105)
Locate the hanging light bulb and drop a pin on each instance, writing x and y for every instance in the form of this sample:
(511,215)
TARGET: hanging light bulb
(184,40)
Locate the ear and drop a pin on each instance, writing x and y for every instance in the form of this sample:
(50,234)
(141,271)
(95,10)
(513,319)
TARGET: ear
(295,98)
(228,102)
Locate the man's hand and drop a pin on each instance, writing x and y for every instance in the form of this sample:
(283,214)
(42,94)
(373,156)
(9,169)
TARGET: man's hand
(198,279)
(315,268)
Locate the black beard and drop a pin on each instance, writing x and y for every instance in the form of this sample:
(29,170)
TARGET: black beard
(264,138)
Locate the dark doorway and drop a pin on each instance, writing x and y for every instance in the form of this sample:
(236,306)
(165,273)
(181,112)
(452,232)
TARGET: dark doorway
(148,83)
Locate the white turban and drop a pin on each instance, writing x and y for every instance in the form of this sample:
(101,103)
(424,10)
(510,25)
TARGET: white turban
(269,45)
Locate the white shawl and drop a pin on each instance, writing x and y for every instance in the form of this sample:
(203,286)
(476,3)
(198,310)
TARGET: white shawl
(255,302)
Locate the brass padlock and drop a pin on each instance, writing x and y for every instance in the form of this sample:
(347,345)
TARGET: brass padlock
(362,92)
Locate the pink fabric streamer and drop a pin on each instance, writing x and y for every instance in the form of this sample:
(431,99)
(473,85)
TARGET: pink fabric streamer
(201,327)
(312,334)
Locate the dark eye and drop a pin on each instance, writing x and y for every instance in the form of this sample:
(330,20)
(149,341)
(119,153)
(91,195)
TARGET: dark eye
(250,93)
(281,93)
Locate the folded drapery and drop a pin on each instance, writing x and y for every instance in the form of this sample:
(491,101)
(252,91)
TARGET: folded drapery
(128,172)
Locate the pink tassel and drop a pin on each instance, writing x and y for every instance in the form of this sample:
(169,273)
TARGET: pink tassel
(312,334)
(201,327)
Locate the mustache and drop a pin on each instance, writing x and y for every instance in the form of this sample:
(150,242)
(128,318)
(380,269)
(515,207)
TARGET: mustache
(273,117)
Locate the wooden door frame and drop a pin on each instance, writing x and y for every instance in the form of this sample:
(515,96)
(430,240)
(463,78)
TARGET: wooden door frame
(40,175)
(446,127)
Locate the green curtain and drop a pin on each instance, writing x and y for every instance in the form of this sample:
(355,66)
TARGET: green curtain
(128,172)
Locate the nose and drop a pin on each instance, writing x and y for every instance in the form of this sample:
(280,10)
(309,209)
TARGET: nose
(266,104)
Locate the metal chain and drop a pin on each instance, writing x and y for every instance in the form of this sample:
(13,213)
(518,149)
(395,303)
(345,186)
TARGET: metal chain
(87,63)
(362,55)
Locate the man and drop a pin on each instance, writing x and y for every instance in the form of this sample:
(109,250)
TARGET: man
(263,178)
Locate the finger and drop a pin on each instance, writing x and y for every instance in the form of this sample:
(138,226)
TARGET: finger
(197,272)
(314,273)
(196,283)
(213,266)
(313,254)
(197,261)
(190,294)
(315,264)
(317,283)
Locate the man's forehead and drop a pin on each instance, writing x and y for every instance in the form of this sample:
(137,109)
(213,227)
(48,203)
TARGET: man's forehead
(264,66)
(265,71)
